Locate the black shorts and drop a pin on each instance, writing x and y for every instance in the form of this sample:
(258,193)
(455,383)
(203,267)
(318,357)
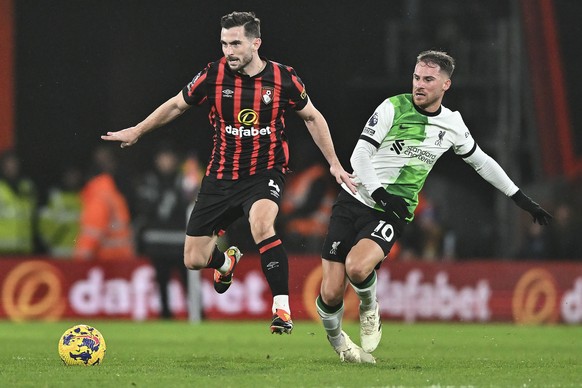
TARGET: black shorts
(352,221)
(221,202)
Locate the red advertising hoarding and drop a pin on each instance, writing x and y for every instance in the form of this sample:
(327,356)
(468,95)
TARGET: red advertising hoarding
(40,289)
(474,291)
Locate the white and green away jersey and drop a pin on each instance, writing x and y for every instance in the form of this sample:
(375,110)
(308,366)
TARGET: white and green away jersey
(407,143)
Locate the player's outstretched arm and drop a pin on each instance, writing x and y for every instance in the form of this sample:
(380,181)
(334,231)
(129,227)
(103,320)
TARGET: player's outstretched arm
(164,114)
(492,172)
(319,130)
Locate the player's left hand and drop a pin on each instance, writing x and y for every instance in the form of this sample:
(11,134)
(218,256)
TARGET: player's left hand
(539,215)
(342,176)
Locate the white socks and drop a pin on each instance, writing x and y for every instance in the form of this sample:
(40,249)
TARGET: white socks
(227,261)
(281,302)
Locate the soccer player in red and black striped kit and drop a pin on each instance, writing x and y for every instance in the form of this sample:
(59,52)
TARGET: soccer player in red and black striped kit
(248,96)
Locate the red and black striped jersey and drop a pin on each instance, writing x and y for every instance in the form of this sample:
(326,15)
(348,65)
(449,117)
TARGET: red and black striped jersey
(247,114)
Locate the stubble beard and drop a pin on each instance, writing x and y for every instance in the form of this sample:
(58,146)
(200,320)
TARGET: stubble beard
(424,102)
(241,64)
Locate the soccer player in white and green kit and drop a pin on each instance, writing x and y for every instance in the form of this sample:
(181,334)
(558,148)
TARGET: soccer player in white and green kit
(395,152)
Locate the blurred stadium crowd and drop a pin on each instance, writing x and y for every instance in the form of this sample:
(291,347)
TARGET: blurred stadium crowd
(106,213)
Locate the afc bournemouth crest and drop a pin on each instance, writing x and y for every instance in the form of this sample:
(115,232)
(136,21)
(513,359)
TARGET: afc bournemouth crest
(267,95)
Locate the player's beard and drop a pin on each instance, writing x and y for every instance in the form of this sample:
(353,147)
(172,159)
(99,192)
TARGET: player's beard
(425,101)
(241,64)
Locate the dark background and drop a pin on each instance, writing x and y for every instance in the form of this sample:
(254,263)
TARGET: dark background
(86,67)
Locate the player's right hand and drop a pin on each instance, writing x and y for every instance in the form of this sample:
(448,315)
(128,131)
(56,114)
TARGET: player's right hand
(391,203)
(127,137)
(342,176)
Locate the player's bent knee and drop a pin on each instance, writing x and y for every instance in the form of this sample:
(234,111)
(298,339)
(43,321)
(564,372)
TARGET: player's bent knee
(194,261)
(356,273)
(262,231)
(332,295)
(332,299)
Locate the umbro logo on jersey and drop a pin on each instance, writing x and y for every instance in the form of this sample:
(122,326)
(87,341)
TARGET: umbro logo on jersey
(227,93)
(397,146)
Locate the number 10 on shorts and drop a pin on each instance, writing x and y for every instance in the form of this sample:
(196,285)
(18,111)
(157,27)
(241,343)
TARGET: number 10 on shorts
(384,231)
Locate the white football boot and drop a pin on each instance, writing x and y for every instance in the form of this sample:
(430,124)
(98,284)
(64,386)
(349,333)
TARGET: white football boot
(350,352)
(370,329)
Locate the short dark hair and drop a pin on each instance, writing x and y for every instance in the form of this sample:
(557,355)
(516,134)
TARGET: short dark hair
(248,20)
(440,58)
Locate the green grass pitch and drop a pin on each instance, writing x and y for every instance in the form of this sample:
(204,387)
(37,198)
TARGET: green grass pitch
(245,354)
